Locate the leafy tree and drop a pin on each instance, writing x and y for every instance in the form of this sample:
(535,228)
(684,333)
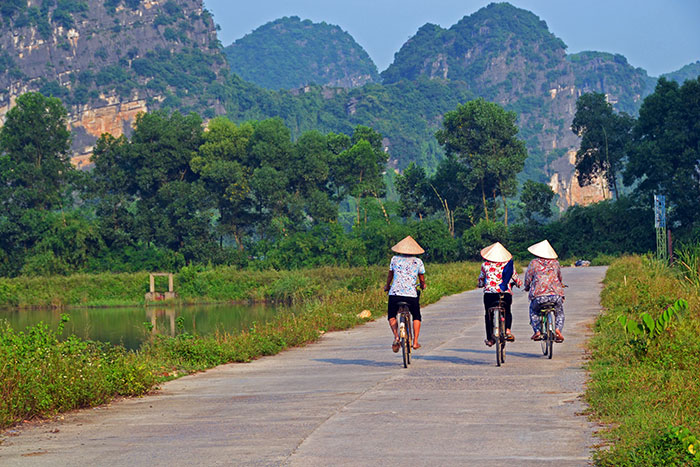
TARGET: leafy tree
(35,142)
(482,137)
(221,164)
(35,176)
(146,189)
(414,190)
(537,199)
(665,158)
(604,136)
(359,169)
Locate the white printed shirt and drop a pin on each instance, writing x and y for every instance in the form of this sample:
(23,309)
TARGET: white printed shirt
(406,270)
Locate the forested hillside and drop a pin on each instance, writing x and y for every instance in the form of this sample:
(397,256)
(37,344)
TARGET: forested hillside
(502,53)
(690,71)
(290,53)
(108,61)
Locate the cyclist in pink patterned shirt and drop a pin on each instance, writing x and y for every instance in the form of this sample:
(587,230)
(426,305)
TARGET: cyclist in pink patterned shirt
(544,283)
(497,276)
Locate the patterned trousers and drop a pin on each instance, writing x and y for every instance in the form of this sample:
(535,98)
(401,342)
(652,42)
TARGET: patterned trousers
(535,305)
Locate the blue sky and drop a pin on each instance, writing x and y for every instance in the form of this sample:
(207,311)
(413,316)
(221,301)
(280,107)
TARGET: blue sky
(658,35)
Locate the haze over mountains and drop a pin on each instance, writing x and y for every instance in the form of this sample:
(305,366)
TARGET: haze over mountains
(109,60)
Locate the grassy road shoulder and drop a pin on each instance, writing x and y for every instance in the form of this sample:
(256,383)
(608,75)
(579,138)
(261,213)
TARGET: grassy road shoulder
(645,387)
(41,375)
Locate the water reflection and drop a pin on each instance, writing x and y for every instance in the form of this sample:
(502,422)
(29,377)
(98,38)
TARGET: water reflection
(131,326)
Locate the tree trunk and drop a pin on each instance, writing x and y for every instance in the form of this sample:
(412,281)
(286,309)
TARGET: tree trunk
(483,200)
(505,205)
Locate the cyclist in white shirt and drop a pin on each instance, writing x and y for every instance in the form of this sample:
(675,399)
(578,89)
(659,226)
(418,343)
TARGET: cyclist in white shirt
(405,270)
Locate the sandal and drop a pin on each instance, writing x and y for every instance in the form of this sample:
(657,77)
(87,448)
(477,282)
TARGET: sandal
(558,338)
(510,337)
(488,342)
(536,336)
(416,346)
(395,346)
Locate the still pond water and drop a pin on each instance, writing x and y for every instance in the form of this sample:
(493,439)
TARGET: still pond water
(130,326)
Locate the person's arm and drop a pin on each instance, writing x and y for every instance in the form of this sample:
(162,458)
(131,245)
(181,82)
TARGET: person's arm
(421,279)
(528,279)
(515,279)
(389,279)
(482,277)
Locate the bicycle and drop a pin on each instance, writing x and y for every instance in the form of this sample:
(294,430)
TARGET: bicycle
(547,326)
(405,332)
(497,315)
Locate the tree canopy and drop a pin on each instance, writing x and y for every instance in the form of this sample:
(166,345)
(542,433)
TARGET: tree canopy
(482,136)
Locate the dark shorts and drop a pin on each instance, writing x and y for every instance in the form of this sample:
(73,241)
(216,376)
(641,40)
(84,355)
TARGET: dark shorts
(413,305)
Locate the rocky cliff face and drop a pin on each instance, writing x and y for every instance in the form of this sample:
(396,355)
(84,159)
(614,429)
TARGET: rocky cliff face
(507,55)
(109,60)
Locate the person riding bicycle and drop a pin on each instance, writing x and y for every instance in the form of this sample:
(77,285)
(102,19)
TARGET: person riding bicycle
(496,277)
(544,283)
(405,270)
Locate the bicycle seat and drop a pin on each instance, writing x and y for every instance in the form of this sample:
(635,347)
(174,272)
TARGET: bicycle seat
(402,304)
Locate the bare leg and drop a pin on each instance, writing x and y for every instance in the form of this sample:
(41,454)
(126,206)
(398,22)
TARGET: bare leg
(394,328)
(416,331)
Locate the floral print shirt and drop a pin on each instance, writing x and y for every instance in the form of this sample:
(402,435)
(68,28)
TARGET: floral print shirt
(543,277)
(492,275)
(406,270)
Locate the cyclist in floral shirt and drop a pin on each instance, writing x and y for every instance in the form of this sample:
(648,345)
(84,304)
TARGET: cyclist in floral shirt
(543,281)
(405,271)
(497,276)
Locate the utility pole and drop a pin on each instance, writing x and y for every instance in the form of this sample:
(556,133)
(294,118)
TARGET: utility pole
(660,225)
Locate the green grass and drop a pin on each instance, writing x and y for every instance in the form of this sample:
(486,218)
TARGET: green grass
(641,392)
(41,376)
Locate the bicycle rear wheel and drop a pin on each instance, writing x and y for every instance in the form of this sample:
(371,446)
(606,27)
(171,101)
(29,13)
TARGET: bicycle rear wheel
(543,331)
(409,343)
(550,333)
(496,335)
(403,329)
(502,336)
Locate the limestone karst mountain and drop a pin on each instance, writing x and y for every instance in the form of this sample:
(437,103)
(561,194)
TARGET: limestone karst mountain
(108,60)
(290,53)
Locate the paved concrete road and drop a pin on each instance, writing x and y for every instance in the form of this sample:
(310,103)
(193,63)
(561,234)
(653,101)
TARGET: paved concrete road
(347,401)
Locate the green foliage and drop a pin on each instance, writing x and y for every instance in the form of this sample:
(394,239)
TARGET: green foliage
(647,329)
(688,261)
(608,227)
(666,149)
(42,375)
(482,137)
(689,441)
(481,235)
(605,136)
(537,199)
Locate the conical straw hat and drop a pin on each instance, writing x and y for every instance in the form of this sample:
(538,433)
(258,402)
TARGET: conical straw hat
(408,246)
(543,250)
(496,253)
